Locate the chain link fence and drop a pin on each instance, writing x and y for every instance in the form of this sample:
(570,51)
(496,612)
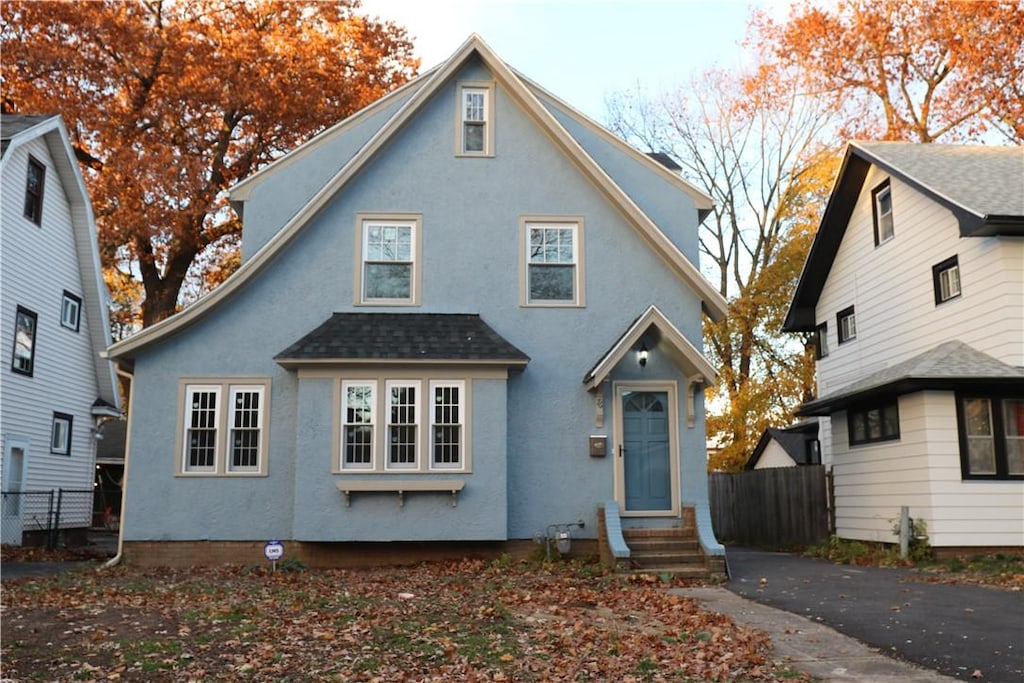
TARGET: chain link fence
(43,516)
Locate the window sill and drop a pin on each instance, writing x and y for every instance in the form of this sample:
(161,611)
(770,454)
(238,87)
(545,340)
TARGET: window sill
(452,486)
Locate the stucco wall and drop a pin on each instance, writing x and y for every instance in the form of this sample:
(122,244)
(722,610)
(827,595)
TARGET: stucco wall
(530,461)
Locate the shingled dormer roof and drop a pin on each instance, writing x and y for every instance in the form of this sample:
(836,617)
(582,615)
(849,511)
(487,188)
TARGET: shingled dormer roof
(403,337)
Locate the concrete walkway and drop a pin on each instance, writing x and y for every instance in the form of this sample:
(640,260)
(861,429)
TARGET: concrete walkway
(846,623)
(811,647)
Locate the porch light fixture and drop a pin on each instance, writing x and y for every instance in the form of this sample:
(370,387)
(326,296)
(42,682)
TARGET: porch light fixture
(643,354)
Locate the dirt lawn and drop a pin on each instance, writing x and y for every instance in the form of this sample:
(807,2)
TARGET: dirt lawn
(464,621)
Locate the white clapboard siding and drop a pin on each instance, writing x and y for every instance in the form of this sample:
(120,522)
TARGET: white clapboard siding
(40,262)
(921,470)
(891,288)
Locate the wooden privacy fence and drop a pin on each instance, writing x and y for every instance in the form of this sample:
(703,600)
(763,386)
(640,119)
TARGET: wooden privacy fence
(778,506)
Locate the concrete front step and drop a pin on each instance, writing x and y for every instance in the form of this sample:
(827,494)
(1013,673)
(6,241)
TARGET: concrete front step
(682,571)
(662,544)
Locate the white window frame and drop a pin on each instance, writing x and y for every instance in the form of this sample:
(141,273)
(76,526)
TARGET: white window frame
(60,434)
(345,424)
(527,225)
(425,382)
(884,228)
(434,423)
(365,222)
(70,311)
(417,408)
(947,280)
(846,325)
(233,413)
(463,118)
(224,413)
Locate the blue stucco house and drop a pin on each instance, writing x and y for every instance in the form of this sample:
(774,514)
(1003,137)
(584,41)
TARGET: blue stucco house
(464,314)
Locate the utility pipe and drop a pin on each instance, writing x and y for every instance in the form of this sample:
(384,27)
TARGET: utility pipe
(130,378)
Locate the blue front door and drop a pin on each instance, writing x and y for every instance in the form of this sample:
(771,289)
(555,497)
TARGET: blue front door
(647,470)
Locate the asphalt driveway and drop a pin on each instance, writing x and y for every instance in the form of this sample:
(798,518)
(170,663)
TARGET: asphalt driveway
(957,630)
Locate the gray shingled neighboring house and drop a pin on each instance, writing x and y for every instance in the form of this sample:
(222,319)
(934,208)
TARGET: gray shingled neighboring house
(914,291)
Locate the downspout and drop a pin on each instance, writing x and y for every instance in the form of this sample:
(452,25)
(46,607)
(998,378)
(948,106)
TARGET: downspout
(130,378)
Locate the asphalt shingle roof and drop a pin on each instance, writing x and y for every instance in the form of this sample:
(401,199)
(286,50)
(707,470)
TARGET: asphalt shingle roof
(947,364)
(12,124)
(404,337)
(987,180)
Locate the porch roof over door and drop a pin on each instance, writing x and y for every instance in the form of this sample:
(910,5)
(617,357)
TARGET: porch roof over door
(670,340)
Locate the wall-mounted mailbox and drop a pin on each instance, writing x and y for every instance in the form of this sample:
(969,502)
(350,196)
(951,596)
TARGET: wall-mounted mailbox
(598,446)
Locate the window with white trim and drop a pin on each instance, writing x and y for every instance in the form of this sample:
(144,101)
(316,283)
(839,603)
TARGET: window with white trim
(246,429)
(358,410)
(447,420)
(420,423)
(70,311)
(882,212)
(846,325)
(388,272)
(475,131)
(223,428)
(34,183)
(552,264)
(60,434)
(403,424)
(946,280)
(23,359)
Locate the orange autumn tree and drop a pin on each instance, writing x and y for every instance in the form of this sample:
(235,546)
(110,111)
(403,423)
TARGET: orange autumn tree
(754,144)
(920,70)
(170,102)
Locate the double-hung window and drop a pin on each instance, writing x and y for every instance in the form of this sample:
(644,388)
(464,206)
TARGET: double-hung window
(882,212)
(34,182)
(846,325)
(420,424)
(224,428)
(358,410)
(877,423)
(553,268)
(403,424)
(388,272)
(70,311)
(60,434)
(946,280)
(23,359)
(476,131)
(991,436)
(447,420)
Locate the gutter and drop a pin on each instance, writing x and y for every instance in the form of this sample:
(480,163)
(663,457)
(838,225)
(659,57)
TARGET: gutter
(130,378)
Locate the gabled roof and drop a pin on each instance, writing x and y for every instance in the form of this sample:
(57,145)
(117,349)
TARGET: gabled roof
(424,89)
(793,440)
(949,366)
(404,338)
(669,338)
(982,185)
(17,130)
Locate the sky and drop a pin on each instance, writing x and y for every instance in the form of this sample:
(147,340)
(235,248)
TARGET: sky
(584,51)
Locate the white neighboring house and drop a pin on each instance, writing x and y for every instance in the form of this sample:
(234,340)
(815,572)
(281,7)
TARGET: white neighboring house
(54,388)
(914,289)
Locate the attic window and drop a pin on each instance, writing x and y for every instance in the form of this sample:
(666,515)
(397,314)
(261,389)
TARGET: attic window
(882,212)
(34,191)
(475,127)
